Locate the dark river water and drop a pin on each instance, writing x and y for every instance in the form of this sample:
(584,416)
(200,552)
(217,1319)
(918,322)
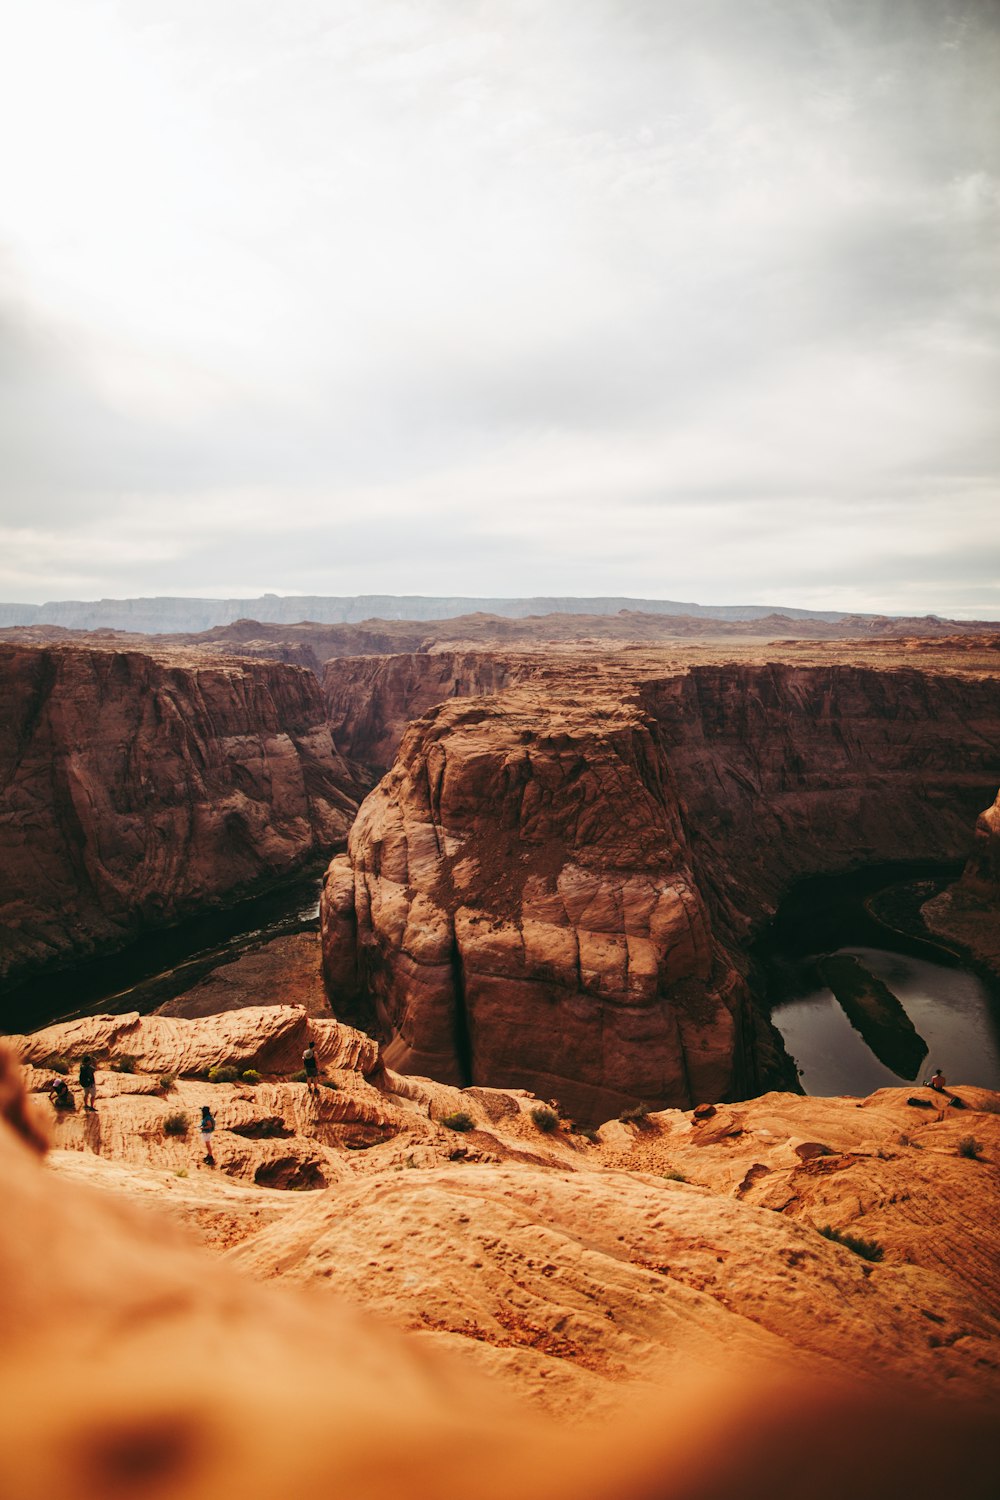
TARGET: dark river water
(953,1011)
(163,964)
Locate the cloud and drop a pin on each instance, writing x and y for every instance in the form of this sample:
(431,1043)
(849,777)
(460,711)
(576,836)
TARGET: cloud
(401,295)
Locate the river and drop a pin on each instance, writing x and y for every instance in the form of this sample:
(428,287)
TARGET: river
(926,995)
(163,964)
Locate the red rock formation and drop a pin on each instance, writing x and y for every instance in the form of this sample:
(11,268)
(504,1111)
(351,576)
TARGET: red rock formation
(982,873)
(526,915)
(371,699)
(134,790)
(537,891)
(789,771)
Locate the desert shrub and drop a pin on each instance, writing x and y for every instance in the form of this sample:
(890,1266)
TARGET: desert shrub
(56,1063)
(675,1176)
(546,1119)
(167,1081)
(223,1073)
(587,1131)
(637,1115)
(176,1124)
(458,1121)
(867,1249)
(328,1083)
(300,1076)
(250,1075)
(970,1147)
(124,1064)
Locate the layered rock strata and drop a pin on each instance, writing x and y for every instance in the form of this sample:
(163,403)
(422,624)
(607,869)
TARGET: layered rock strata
(520,904)
(555,887)
(136,790)
(968,913)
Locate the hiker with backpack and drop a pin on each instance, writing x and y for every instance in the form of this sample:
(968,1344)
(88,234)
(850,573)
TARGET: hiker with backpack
(311,1068)
(88,1082)
(207,1129)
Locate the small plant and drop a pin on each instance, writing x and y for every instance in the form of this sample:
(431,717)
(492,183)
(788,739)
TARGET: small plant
(56,1063)
(638,1115)
(675,1176)
(167,1081)
(546,1119)
(124,1064)
(250,1075)
(176,1123)
(968,1146)
(867,1249)
(587,1131)
(300,1077)
(328,1083)
(223,1073)
(458,1121)
(181,1172)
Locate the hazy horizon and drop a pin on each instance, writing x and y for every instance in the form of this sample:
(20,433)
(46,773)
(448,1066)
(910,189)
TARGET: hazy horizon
(659,300)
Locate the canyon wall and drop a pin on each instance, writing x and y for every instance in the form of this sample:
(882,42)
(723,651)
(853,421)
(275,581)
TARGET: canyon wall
(136,790)
(791,771)
(554,887)
(371,699)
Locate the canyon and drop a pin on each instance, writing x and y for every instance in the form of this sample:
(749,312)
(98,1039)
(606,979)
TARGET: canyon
(135,789)
(558,879)
(556,884)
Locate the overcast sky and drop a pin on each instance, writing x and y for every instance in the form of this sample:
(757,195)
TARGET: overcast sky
(688,299)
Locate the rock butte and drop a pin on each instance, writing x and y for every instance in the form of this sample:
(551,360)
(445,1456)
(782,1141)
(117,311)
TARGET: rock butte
(446,1286)
(555,884)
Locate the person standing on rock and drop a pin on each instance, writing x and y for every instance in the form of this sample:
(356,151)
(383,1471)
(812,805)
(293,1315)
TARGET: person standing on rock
(207,1128)
(312,1069)
(88,1082)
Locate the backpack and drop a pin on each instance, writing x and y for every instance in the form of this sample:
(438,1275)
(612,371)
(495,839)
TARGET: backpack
(207,1125)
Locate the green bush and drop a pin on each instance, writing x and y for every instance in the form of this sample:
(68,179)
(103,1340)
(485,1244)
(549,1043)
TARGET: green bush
(587,1131)
(56,1063)
(638,1115)
(167,1081)
(300,1077)
(250,1075)
(675,1176)
(970,1147)
(458,1121)
(223,1073)
(328,1083)
(867,1249)
(546,1119)
(124,1064)
(176,1124)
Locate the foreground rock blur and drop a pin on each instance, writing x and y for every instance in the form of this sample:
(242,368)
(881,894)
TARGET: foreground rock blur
(571,1269)
(729,1347)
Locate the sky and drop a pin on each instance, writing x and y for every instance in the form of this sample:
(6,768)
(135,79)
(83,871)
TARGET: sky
(688,299)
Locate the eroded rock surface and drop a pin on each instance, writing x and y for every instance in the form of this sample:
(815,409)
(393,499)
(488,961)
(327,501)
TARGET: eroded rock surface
(968,913)
(579,1273)
(136,790)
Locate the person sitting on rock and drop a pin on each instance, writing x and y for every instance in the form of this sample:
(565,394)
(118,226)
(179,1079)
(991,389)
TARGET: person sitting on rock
(312,1068)
(207,1128)
(938,1081)
(88,1082)
(59,1092)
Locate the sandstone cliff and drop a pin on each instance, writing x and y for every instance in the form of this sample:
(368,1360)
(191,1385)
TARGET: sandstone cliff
(521,906)
(967,915)
(135,790)
(554,887)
